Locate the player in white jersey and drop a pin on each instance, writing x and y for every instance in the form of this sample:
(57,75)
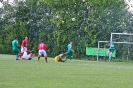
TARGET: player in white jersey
(27,55)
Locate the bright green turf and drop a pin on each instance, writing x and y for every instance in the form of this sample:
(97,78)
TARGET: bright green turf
(74,74)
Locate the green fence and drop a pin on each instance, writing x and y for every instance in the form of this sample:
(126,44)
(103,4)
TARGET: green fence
(102,51)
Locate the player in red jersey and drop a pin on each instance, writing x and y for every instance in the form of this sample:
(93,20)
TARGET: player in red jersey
(27,55)
(42,47)
(24,46)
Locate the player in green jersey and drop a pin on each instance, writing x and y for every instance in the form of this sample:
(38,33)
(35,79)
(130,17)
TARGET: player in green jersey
(69,51)
(15,48)
(111,49)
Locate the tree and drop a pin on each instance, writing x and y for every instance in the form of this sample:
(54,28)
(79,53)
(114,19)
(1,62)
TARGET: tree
(15,20)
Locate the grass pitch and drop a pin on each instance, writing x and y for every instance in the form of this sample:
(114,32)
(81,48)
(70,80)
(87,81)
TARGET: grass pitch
(70,74)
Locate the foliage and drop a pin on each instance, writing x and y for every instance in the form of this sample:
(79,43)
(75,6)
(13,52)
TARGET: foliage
(14,20)
(51,21)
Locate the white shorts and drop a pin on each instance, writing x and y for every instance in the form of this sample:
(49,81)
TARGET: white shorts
(42,52)
(26,57)
(23,49)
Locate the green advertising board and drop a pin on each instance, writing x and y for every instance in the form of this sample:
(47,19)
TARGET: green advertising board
(102,51)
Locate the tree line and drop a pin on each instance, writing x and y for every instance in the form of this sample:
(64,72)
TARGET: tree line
(52,21)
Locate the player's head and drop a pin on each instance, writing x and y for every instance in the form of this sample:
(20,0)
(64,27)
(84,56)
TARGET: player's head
(71,42)
(16,38)
(108,42)
(26,37)
(41,41)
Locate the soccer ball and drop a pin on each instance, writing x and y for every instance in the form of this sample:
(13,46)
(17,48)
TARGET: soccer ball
(73,19)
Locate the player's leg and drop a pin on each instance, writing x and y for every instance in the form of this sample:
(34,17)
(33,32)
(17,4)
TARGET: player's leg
(112,50)
(23,56)
(45,55)
(25,48)
(22,51)
(110,56)
(64,58)
(17,53)
(70,57)
(31,56)
(69,54)
(39,54)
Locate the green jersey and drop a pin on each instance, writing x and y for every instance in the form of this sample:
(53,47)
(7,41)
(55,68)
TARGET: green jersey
(69,47)
(69,51)
(14,44)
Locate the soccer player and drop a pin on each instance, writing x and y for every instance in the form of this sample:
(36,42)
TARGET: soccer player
(15,48)
(42,47)
(70,51)
(27,55)
(24,46)
(111,49)
(60,58)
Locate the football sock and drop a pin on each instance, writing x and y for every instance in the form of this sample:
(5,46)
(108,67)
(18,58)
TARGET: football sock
(38,58)
(21,54)
(109,57)
(70,57)
(17,57)
(46,59)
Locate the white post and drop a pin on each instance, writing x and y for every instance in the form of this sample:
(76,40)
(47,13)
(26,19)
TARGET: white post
(99,47)
(98,51)
(111,37)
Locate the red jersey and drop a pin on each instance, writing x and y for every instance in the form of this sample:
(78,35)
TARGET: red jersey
(24,43)
(42,46)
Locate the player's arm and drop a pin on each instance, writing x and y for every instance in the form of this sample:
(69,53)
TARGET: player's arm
(29,51)
(46,47)
(72,50)
(38,47)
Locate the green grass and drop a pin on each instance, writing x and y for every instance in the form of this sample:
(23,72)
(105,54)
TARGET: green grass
(74,74)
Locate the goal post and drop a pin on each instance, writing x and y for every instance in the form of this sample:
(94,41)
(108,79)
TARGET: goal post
(129,41)
(99,47)
(111,38)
